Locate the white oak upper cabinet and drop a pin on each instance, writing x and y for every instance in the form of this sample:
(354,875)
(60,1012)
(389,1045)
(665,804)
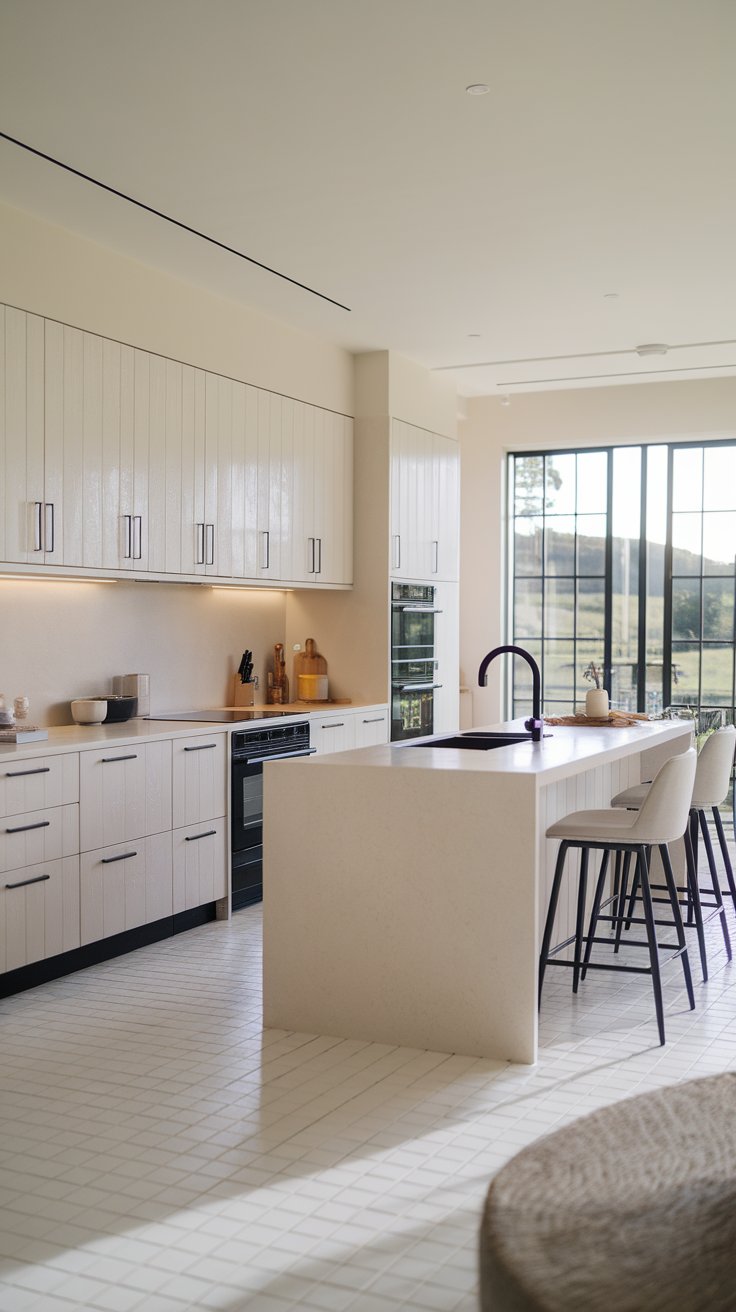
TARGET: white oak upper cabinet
(22,493)
(424,504)
(318,531)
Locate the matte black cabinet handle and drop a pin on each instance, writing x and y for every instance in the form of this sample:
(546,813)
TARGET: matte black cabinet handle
(340,725)
(108,860)
(203,747)
(192,838)
(16,774)
(110,760)
(21,829)
(377,719)
(23,883)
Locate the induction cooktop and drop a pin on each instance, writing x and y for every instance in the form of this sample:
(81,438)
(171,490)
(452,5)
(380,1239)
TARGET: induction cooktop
(223,717)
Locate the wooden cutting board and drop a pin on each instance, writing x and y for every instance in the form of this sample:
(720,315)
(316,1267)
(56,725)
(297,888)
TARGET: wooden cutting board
(309,661)
(614,720)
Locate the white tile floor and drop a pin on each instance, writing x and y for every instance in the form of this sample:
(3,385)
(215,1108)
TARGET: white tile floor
(158,1151)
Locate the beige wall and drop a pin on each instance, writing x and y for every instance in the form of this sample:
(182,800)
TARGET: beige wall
(63,640)
(646,412)
(59,274)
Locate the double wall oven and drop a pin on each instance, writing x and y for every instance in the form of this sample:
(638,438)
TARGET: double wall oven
(413,660)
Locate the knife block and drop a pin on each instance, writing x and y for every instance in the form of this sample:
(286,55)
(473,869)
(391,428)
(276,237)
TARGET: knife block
(243,693)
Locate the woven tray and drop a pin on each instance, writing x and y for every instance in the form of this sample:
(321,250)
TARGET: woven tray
(614,720)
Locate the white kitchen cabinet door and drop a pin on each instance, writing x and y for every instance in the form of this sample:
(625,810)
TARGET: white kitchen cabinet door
(445,514)
(125,793)
(219,448)
(21,436)
(33,836)
(73,452)
(411,501)
(371,727)
(199,778)
(33,783)
(39,912)
(269,486)
(200,864)
(165,466)
(122,887)
(135,423)
(332,733)
(447,674)
(194,536)
(333,490)
(298,552)
(241,457)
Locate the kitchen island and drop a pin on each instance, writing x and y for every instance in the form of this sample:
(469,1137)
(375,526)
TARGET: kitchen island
(405,885)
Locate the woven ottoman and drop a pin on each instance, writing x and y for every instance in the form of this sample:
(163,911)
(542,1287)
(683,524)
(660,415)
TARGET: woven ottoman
(632,1209)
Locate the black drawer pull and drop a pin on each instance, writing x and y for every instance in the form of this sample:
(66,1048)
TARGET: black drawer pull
(377,719)
(108,860)
(16,774)
(37,879)
(21,829)
(340,725)
(110,760)
(203,747)
(192,838)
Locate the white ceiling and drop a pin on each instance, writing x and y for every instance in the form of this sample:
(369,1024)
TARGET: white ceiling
(333,141)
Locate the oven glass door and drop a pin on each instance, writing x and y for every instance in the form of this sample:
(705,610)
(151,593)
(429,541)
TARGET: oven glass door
(412,713)
(412,645)
(247,809)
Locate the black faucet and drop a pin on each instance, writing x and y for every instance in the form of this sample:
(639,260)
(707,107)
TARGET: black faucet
(536,723)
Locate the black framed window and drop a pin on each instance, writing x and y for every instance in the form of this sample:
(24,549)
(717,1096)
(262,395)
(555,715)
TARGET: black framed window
(624,558)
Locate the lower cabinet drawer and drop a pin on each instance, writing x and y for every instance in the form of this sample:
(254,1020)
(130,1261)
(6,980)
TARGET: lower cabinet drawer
(125,886)
(200,864)
(39,836)
(39,912)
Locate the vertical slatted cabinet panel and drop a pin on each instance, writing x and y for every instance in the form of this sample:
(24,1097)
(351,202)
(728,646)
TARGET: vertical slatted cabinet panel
(33,836)
(200,865)
(33,783)
(289,548)
(125,886)
(66,511)
(199,776)
(219,478)
(252,537)
(445,528)
(114,541)
(269,486)
(21,436)
(344,490)
(40,918)
(238,475)
(297,561)
(333,498)
(125,793)
(193,471)
(135,436)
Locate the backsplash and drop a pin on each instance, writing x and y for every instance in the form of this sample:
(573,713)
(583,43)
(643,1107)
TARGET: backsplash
(62,640)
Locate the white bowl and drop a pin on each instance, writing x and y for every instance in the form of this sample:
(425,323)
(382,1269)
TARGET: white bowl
(89,710)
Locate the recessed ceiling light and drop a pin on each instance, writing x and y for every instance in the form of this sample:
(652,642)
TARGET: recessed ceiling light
(473,334)
(652,348)
(505,400)
(478,89)
(610,296)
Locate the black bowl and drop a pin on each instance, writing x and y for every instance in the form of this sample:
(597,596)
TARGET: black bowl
(120,708)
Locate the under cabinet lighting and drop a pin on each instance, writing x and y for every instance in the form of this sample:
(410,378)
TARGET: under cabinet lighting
(50,578)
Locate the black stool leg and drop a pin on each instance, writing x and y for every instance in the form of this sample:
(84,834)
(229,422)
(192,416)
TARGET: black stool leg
(646,897)
(679,927)
(593,925)
(725,854)
(694,890)
(621,908)
(715,880)
(579,922)
(550,921)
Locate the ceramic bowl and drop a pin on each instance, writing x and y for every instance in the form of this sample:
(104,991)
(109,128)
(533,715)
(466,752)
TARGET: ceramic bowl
(89,710)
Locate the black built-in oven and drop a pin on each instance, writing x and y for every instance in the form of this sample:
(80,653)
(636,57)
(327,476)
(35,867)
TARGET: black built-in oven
(413,660)
(250,750)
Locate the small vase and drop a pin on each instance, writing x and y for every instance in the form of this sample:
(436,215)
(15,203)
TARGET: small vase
(596,703)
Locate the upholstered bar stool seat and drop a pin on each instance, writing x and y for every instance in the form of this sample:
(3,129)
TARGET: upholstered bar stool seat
(710,789)
(661,819)
(630,1209)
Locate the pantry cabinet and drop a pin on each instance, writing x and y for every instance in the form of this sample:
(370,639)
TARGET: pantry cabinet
(424,504)
(121,460)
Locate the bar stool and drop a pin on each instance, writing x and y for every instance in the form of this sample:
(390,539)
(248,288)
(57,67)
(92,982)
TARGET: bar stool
(661,819)
(710,789)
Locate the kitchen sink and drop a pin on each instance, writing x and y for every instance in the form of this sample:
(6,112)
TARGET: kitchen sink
(476,740)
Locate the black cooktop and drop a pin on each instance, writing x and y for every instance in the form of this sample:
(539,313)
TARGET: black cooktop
(223,717)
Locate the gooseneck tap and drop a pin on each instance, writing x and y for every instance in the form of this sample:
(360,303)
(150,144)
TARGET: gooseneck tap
(536,723)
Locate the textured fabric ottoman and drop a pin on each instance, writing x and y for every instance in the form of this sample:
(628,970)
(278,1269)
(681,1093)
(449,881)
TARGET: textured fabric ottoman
(632,1209)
